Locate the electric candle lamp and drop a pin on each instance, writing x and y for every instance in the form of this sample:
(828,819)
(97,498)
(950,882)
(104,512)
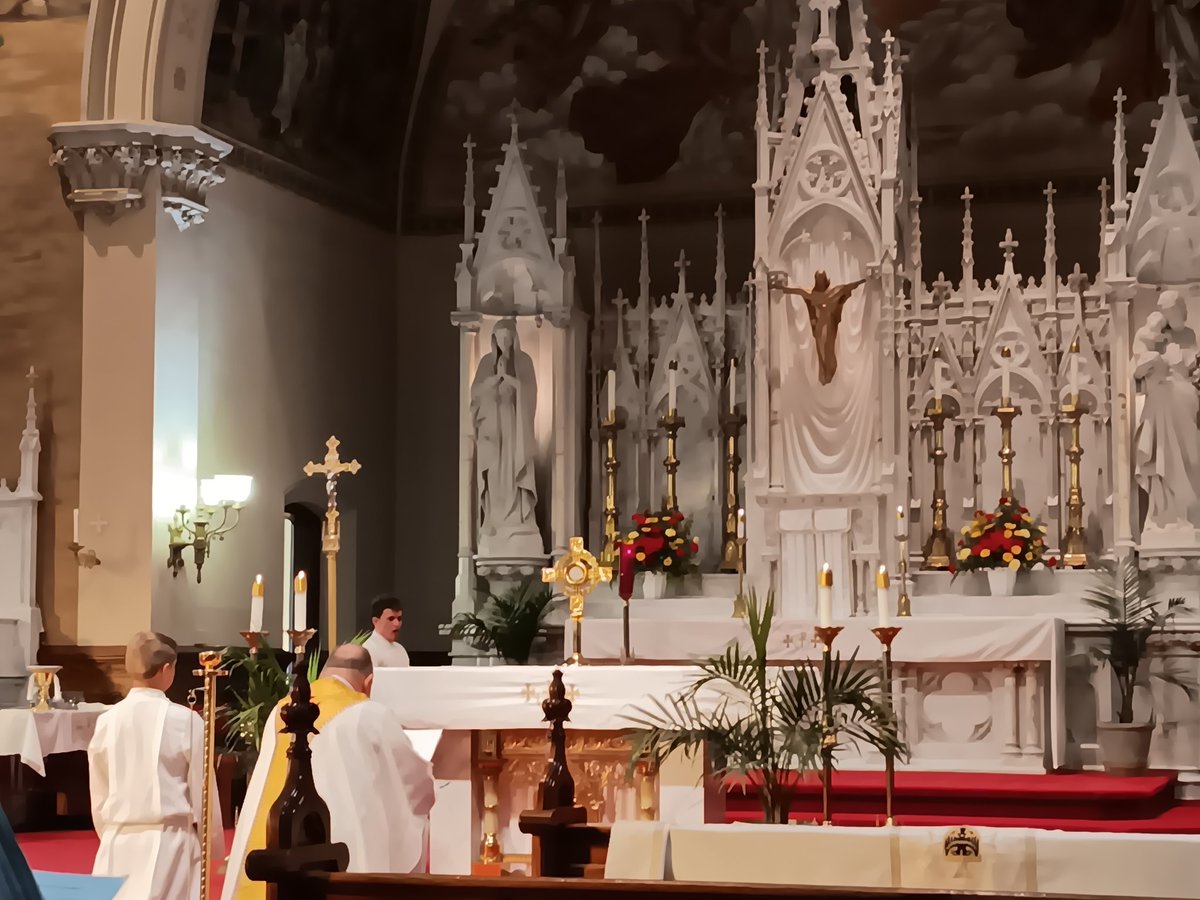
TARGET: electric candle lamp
(1005,386)
(883,583)
(1075,373)
(741,524)
(256,604)
(901,532)
(825,596)
(300,602)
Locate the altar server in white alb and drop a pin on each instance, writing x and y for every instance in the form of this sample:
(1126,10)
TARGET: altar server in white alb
(378,790)
(146,762)
(387,616)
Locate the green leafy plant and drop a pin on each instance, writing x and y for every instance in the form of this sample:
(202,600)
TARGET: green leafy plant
(314,656)
(763,725)
(508,623)
(1131,616)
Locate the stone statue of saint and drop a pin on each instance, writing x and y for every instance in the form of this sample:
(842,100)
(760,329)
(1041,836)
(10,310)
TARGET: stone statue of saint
(1167,442)
(503,398)
(825,304)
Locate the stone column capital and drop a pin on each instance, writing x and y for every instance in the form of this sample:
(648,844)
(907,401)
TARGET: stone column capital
(104,166)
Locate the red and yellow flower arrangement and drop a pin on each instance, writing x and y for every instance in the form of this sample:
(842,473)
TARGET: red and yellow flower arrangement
(662,542)
(1009,538)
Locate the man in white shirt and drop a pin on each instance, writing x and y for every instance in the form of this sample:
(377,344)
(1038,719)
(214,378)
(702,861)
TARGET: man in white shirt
(387,615)
(146,764)
(378,790)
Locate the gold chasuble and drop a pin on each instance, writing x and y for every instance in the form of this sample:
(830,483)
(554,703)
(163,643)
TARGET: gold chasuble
(333,697)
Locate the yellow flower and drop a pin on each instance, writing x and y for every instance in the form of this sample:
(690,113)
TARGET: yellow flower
(1025,517)
(641,557)
(966,529)
(964,553)
(1016,549)
(666,561)
(670,532)
(632,536)
(975,532)
(1008,557)
(1015,564)
(985,553)
(1024,532)
(652,520)
(1029,555)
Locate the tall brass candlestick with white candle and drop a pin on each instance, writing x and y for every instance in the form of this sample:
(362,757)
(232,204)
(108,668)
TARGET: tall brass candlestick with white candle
(1006,412)
(1074,545)
(610,430)
(210,670)
(732,423)
(939,546)
(886,633)
(903,603)
(671,423)
(739,602)
(826,633)
(254,636)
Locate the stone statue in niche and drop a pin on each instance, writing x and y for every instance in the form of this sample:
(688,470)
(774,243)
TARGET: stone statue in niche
(1168,439)
(503,399)
(825,303)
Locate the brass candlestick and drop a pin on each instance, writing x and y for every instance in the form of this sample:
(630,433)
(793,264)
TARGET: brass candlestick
(210,670)
(886,636)
(253,639)
(903,602)
(1006,412)
(938,545)
(610,428)
(1074,546)
(826,634)
(732,424)
(671,423)
(300,641)
(578,573)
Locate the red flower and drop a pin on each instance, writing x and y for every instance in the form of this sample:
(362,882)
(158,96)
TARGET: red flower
(639,518)
(953,569)
(695,546)
(1051,562)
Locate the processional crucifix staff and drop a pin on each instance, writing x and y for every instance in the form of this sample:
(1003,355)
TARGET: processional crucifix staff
(825,303)
(331,533)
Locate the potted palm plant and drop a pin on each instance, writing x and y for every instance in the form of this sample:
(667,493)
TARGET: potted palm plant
(1130,616)
(763,724)
(508,623)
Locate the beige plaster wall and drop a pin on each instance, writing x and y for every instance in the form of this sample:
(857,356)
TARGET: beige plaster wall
(40,286)
(295,340)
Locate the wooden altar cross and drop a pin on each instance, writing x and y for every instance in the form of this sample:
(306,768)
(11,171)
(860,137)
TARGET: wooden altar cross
(331,534)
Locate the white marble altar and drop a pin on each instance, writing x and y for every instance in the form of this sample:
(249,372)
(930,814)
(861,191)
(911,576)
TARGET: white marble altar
(20,616)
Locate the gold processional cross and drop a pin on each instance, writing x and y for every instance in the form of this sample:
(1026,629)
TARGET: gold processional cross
(576,574)
(331,534)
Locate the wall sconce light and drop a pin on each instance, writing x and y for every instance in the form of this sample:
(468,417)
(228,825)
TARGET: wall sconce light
(221,500)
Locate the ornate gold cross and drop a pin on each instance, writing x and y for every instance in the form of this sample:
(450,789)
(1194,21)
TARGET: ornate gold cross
(576,574)
(331,534)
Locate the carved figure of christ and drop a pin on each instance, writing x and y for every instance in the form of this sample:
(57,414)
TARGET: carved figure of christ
(825,304)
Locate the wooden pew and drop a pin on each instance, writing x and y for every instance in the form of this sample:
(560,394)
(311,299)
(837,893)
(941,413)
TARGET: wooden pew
(300,862)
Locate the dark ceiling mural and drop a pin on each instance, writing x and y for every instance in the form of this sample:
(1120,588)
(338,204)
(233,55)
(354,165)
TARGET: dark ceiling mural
(321,86)
(652,101)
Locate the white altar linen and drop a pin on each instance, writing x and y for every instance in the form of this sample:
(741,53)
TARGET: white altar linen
(1012,860)
(35,735)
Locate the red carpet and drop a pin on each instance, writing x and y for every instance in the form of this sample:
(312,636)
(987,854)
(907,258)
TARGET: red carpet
(73,852)
(1074,802)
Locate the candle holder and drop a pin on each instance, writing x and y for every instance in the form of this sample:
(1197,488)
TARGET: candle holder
(253,640)
(885,637)
(1074,545)
(827,634)
(210,670)
(1006,412)
(671,423)
(903,602)
(732,424)
(938,546)
(300,641)
(610,429)
(739,602)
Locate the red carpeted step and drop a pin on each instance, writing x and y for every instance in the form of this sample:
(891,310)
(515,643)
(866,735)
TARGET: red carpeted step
(955,795)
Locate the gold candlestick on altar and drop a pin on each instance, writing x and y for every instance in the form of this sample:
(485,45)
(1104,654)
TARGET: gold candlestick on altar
(210,670)
(732,424)
(331,533)
(886,636)
(671,423)
(739,602)
(253,639)
(300,641)
(938,546)
(829,734)
(576,573)
(610,428)
(1074,546)
(1006,412)
(903,602)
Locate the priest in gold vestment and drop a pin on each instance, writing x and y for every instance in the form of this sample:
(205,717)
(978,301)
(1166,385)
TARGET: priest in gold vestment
(379,791)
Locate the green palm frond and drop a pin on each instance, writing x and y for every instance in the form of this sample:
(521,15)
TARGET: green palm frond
(765,723)
(508,623)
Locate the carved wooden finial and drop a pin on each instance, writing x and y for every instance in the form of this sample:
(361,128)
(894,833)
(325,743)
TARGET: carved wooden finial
(557,789)
(299,817)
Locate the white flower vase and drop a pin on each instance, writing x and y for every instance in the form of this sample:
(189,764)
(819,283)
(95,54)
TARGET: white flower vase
(654,585)
(1002,582)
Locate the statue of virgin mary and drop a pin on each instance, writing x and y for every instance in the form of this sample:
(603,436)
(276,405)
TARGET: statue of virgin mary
(503,399)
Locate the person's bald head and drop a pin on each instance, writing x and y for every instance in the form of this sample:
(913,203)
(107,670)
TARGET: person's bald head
(150,660)
(351,663)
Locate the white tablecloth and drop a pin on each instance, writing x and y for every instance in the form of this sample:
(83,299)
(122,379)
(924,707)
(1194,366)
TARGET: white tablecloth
(924,639)
(1013,860)
(35,735)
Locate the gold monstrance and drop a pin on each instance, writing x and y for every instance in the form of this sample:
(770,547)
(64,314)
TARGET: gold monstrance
(331,533)
(577,573)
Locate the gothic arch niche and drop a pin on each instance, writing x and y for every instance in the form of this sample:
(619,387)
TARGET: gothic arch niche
(508,287)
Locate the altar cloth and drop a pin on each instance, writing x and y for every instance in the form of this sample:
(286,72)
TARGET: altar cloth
(35,735)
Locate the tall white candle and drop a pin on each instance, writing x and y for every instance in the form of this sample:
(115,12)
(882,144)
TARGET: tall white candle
(300,602)
(75,530)
(825,596)
(1005,385)
(611,383)
(937,380)
(741,524)
(673,387)
(1074,375)
(883,597)
(732,385)
(901,531)
(256,604)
